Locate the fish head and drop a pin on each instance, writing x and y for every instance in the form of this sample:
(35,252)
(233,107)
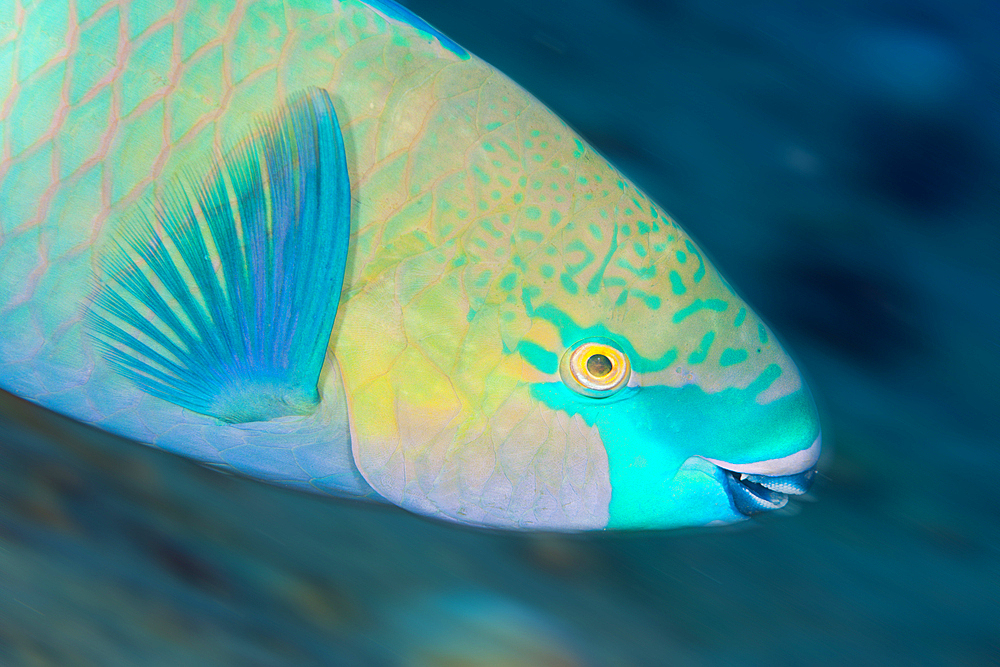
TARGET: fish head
(703,416)
(606,376)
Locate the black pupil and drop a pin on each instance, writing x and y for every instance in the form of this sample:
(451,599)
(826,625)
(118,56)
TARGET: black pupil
(598,365)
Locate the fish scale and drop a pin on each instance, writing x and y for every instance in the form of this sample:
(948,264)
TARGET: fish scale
(487,240)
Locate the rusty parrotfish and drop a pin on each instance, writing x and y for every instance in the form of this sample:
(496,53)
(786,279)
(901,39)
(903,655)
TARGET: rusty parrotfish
(320,244)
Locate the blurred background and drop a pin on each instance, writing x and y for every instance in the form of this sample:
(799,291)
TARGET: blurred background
(840,161)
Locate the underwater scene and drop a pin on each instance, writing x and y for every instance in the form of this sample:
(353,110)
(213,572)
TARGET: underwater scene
(837,162)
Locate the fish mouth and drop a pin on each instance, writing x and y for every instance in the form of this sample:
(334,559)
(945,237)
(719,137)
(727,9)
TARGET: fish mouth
(765,486)
(753,494)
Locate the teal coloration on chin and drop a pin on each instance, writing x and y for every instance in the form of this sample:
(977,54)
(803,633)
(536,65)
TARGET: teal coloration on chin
(659,441)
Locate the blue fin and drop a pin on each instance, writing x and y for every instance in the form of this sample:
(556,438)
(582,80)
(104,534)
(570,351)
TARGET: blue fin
(396,11)
(220,297)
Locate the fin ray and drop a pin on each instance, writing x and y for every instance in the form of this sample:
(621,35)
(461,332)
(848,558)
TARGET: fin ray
(220,295)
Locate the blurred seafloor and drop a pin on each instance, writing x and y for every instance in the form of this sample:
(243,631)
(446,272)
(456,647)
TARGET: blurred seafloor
(840,162)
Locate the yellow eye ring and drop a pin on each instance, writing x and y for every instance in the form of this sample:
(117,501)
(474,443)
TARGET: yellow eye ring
(597,368)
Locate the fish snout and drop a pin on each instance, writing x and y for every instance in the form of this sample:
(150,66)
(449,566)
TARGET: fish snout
(766,485)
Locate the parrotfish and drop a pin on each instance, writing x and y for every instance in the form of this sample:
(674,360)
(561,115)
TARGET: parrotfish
(322,245)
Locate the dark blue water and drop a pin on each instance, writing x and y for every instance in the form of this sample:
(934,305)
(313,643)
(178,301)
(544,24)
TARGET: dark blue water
(841,163)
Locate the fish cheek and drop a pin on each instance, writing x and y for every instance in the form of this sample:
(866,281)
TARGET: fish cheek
(521,466)
(402,421)
(551,467)
(655,439)
(648,438)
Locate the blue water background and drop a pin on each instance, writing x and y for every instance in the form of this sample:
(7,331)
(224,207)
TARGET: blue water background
(840,161)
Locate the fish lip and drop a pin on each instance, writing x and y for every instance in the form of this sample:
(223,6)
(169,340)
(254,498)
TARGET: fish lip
(765,486)
(787,465)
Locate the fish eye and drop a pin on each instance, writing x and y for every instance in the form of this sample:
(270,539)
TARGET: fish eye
(599,365)
(596,368)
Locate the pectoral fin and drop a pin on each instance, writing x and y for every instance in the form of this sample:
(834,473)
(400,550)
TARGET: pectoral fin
(220,296)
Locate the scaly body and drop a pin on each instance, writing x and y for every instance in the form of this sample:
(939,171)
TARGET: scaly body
(486,241)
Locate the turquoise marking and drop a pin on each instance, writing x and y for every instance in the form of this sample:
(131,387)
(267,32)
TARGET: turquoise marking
(244,341)
(511,153)
(731,357)
(527,294)
(766,378)
(490,229)
(699,355)
(700,272)
(538,356)
(570,333)
(676,283)
(740,316)
(762,333)
(481,175)
(576,245)
(404,15)
(644,272)
(718,305)
(595,280)
(650,432)
(651,300)
(568,283)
